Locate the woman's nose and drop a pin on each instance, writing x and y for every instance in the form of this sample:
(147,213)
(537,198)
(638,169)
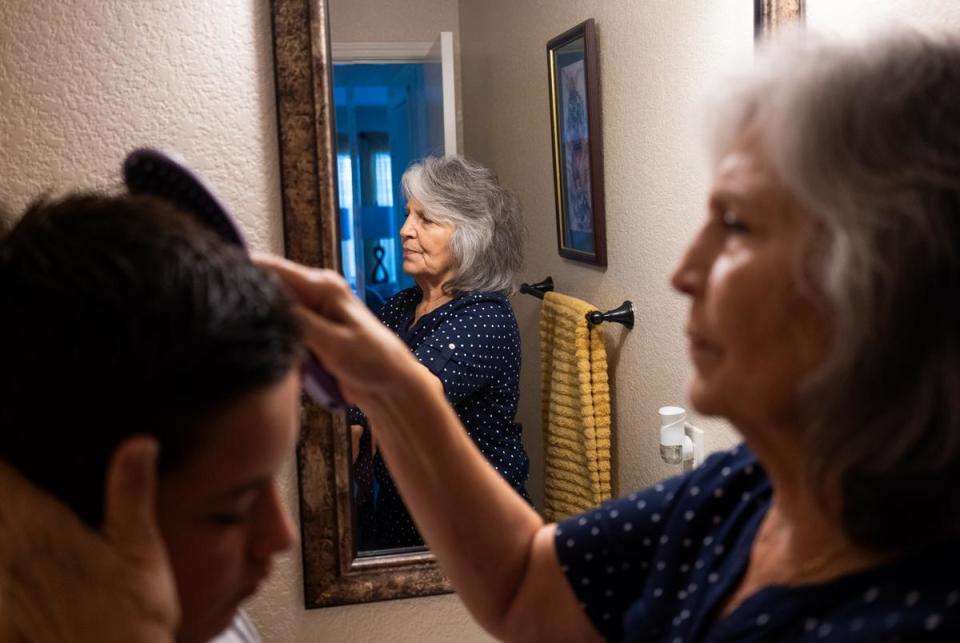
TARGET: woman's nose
(406,230)
(683,279)
(690,274)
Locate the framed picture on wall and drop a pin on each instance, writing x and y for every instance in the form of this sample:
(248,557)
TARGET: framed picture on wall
(577,147)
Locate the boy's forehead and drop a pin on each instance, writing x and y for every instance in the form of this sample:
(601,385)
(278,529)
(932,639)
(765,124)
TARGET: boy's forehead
(251,436)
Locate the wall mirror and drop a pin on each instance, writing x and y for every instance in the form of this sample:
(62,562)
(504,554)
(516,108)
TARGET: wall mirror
(334,574)
(339,107)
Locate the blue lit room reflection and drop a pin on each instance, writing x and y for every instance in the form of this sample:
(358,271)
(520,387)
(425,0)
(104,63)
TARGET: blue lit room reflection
(382,127)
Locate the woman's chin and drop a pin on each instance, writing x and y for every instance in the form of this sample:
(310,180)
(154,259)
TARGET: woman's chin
(702,398)
(411,268)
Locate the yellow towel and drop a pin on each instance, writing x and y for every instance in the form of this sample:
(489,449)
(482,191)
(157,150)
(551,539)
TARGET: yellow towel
(576,408)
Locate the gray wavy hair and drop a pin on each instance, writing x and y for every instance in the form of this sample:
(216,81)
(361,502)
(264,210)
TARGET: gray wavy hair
(488,230)
(867,136)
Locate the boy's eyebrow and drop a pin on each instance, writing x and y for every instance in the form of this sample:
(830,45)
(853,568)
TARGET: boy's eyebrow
(257,484)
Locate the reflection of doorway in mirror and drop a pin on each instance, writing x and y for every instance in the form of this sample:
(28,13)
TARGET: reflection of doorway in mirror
(381,128)
(395,104)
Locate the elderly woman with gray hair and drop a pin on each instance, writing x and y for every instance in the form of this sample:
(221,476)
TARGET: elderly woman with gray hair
(824,286)
(463,245)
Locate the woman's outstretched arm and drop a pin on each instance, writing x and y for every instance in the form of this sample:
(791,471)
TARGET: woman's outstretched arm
(492,545)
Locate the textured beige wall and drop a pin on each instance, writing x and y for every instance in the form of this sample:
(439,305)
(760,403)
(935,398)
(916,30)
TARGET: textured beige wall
(81,83)
(656,59)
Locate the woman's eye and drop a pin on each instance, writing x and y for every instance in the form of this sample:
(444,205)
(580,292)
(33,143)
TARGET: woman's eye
(733,224)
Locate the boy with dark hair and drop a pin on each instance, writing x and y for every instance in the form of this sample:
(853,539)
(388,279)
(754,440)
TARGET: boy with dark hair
(122,318)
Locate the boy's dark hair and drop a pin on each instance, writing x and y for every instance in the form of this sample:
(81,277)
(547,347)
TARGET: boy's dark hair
(4,221)
(122,316)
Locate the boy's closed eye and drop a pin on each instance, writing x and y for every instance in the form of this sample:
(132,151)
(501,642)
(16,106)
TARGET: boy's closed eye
(235,506)
(227,519)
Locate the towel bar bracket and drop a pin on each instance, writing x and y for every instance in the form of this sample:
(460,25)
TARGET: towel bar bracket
(623,314)
(539,288)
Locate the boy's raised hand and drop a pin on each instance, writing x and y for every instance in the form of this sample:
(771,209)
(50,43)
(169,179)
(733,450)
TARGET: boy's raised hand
(62,582)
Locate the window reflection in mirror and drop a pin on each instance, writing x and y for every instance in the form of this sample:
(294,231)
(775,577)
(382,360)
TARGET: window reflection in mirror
(382,127)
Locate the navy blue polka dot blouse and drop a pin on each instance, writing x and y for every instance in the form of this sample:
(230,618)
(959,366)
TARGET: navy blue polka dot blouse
(658,565)
(472,344)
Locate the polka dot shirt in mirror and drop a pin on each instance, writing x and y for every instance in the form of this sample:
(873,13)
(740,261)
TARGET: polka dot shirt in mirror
(472,344)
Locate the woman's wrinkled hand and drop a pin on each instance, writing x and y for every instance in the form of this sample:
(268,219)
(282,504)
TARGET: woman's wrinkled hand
(361,353)
(62,582)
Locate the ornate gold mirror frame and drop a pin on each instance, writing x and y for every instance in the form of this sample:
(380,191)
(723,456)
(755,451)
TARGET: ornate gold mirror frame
(770,15)
(332,573)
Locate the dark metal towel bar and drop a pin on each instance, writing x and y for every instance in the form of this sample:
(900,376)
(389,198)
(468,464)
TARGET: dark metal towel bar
(622,314)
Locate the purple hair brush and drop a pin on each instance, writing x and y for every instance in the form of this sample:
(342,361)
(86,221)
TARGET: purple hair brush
(160,174)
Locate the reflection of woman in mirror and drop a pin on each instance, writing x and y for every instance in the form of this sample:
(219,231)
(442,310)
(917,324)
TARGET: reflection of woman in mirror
(463,246)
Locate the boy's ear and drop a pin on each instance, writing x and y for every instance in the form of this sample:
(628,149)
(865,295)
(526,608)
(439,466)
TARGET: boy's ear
(129,502)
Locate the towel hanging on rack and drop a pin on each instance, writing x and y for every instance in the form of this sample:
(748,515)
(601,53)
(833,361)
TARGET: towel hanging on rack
(575,397)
